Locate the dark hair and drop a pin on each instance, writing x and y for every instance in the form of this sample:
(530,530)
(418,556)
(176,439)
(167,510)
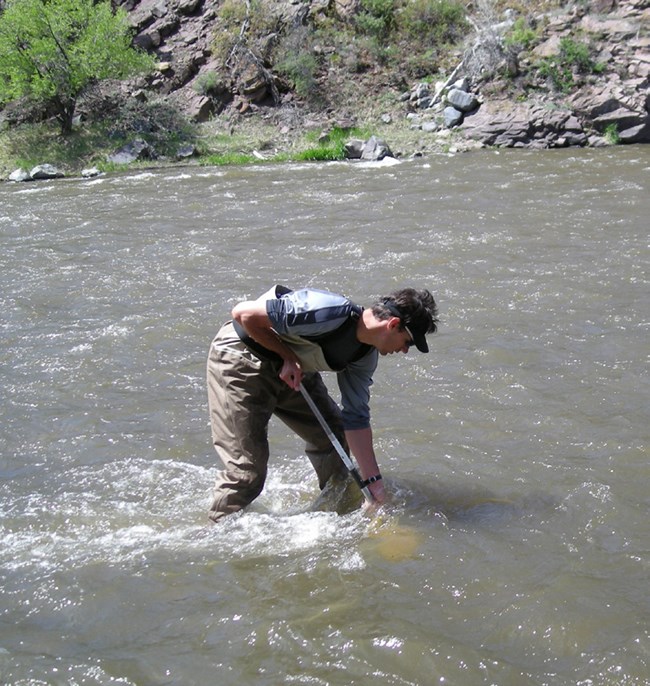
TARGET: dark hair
(417,309)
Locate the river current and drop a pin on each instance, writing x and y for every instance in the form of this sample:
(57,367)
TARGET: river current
(516,547)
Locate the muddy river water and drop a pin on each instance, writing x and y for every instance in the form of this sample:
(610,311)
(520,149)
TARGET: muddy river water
(516,548)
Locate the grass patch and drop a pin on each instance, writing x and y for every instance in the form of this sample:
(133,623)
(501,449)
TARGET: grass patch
(88,144)
(228,158)
(31,144)
(329,148)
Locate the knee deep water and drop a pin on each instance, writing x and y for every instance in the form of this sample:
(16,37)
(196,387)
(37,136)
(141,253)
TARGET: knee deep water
(516,549)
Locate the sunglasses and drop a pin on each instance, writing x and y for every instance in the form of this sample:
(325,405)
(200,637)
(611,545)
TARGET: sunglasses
(408,331)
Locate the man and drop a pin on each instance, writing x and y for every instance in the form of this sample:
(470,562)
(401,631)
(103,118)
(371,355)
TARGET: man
(258,360)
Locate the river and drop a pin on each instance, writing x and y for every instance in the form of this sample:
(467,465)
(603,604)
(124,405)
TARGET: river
(516,547)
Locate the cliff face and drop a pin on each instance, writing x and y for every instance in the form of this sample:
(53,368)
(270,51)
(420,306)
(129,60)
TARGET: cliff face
(522,103)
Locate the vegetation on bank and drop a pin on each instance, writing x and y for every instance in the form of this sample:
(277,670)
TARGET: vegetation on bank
(50,52)
(326,62)
(28,145)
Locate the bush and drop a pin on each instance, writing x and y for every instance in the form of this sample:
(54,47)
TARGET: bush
(433,22)
(52,51)
(376,18)
(612,135)
(300,69)
(573,58)
(156,121)
(522,35)
(209,83)
(576,55)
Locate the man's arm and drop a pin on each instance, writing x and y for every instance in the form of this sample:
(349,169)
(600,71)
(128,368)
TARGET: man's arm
(360,442)
(254,319)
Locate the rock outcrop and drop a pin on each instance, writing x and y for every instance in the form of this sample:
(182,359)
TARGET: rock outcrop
(617,100)
(612,105)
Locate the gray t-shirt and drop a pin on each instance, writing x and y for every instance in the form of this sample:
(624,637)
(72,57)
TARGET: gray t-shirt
(321,328)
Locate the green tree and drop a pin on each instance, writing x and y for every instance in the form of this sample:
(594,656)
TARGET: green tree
(51,50)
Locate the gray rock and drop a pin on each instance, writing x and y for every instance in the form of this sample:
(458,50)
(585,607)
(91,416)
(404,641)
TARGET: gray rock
(375,150)
(90,172)
(45,171)
(354,149)
(136,151)
(462,101)
(188,6)
(616,105)
(636,134)
(19,175)
(185,151)
(452,117)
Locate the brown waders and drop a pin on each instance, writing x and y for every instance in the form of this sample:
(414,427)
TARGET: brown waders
(243,393)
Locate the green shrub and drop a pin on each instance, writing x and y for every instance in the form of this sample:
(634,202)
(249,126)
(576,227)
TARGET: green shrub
(300,68)
(433,22)
(572,59)
(612,135)
(521,35)
(376,18)
(576,55)
(208,83)
(52,51)
(559,75)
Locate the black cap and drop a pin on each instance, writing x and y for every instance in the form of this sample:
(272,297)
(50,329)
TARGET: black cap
(419,337)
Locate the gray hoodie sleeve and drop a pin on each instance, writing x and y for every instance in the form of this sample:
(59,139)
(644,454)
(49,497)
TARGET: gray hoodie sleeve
(354,383)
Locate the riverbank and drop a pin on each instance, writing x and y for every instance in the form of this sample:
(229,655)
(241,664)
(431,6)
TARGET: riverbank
(544,75)
(261,136)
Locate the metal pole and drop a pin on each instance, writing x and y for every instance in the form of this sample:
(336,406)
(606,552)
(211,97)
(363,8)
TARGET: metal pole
(347,461)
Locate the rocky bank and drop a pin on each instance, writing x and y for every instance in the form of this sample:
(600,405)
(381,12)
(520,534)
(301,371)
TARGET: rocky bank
(496,94)
(508,105)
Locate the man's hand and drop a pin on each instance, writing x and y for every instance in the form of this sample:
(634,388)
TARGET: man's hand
(291,374)
(254,319)
(378,492)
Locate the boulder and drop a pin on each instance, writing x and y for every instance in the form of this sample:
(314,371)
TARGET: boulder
(136,151)
(375,149)
(452,117)
(185,151)
(188,7)
(354,148)
(372,150)
(429,126)
(620,29)
(19,175)
(616,105)
(636,134)
(200,108)
(45,171)
(462,100)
